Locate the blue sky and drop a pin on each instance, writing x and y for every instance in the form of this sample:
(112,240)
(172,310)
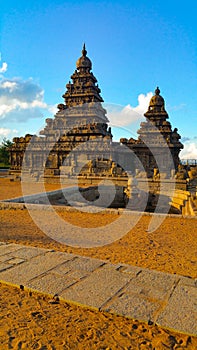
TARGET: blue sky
(134,47)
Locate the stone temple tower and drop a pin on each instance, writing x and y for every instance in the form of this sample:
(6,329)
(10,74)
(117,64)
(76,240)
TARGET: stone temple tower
(82,112)
(83,89)
(80,119)
(157,142)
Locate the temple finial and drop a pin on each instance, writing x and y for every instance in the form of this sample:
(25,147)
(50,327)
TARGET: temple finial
(84,52)
(157,91)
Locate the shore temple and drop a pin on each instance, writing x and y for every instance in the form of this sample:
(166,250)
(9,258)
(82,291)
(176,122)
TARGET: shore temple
(78,139)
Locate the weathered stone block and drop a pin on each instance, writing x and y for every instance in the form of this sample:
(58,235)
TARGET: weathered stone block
(29,252)
(151,284)
(9,248)
(51,283)
(4,266)
(33,268)
(97,288)
(133,306)
(15,261)
(186,281)
(181,310)
(80,263)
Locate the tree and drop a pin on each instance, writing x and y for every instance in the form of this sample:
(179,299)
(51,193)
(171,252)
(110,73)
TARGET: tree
(4,151)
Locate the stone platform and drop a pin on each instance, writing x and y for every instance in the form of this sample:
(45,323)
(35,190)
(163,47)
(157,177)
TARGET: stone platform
(138,293)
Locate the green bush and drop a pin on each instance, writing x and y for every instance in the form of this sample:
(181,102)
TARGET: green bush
(4,153)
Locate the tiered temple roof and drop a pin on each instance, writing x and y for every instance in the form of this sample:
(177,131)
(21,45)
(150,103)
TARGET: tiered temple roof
(83,88)
(82,113)
(156,138)
(156,119)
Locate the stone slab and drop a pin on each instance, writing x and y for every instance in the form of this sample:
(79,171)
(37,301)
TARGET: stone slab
(80,263)
(180,312)
(51,283)
(4,258)
(5,266)
(152,284)
(11,259)
(33,268)
(107,266)
(9,248)
(29,252)
(97,288)
(134,306)
(64,268)
(133,271)
(77,275)
(185,281)
(15,261)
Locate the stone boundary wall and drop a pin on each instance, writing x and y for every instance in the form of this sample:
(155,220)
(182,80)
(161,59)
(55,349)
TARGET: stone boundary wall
(22,206)
(67,195)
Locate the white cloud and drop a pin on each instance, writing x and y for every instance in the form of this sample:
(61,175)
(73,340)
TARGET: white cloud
(53,109)
(127,115)
(8,84)
(4,131)
(177,108)
(4,67)
(7,133)
(143,103)
(190,149)
(21,100)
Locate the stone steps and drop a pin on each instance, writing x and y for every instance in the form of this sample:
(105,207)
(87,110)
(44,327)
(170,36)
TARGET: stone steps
(182,201)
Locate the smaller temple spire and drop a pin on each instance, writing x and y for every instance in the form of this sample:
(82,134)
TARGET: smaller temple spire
(156,105)
(84,51)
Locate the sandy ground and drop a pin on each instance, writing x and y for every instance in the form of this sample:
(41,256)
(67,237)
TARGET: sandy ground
(32,322)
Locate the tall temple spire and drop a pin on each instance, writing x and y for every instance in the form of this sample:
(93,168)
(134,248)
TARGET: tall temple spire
(83,88)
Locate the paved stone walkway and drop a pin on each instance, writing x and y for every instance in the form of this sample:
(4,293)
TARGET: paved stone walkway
(167,300)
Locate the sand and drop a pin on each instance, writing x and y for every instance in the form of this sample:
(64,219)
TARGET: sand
(32,322)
